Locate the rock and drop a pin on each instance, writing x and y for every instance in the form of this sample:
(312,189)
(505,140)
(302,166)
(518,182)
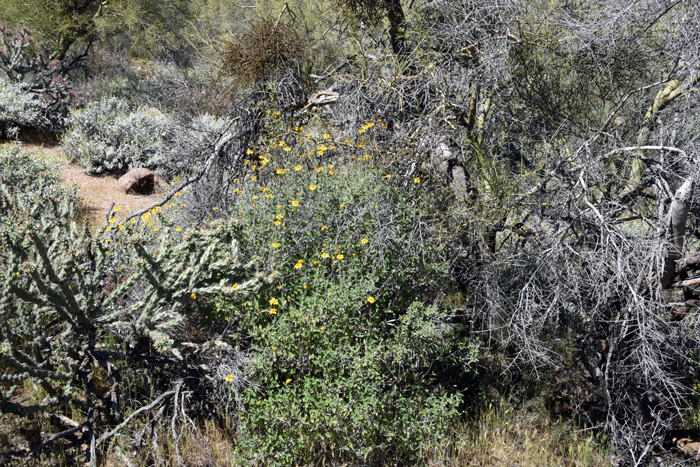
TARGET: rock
(140,181)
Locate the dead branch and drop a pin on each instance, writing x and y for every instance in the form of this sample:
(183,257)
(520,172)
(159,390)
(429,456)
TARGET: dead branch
(138,412)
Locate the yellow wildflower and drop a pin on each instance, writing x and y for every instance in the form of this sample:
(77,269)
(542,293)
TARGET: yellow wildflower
(295,203)
(312,187)
(193,296)
(234,286)
(229,378)
(280,171)
(273,311)
(298,168)
(274,301)
(340,256)
(299,264)
(275,245)
(416,180)
(364,241)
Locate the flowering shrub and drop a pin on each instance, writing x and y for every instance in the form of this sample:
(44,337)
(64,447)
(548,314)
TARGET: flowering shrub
(348,361)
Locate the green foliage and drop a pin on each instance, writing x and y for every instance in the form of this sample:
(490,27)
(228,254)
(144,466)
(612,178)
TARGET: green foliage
(346,362)
(59,24)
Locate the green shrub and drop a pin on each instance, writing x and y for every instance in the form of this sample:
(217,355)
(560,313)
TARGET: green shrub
(347,362)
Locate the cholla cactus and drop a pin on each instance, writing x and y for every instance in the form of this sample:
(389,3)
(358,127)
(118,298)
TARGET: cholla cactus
(65,294)
(47,80)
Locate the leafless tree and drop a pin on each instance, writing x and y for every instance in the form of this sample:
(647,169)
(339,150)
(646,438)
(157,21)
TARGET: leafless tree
(567,133)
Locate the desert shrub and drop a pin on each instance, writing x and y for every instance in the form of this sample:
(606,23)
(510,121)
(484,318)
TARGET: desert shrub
(347,360)
(111,136)
(20,108)
(267,49)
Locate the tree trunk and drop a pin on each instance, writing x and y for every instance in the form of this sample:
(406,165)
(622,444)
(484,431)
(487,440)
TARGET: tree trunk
(397,26)
(678,216)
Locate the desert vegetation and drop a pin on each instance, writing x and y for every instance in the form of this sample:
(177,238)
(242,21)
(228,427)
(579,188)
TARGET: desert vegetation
(438,232)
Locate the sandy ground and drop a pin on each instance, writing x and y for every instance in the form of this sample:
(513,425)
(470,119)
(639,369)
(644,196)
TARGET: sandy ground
(98,193)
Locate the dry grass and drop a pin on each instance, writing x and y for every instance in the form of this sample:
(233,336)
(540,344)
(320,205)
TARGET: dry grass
(507,437)
(211,447)
(495,437)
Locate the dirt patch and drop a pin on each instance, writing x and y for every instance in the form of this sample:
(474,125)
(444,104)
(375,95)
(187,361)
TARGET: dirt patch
(98,194)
